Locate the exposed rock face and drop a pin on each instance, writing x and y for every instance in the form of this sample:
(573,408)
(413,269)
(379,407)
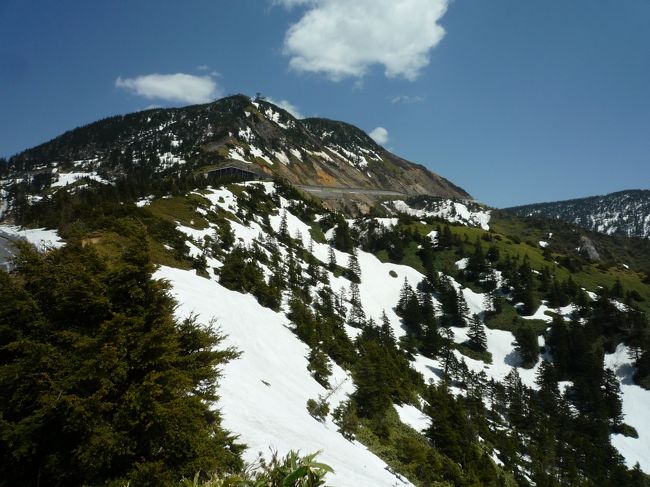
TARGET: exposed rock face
(589,248)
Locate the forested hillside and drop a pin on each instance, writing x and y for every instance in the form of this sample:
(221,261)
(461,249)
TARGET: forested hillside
(435,343)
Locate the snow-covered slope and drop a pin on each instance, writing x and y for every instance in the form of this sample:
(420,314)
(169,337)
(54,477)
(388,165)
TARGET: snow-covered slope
(264,393)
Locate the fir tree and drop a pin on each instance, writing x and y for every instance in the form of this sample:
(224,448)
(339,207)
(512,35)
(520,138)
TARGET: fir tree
(346,418)
(476,334)
(319,366)
(612,396)
(353,267)
(283,231)
(129,389)
(527,345)
(462,311)
(357,315)
(405,294)
(331,259)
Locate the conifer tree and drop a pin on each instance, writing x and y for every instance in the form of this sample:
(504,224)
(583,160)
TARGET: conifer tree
(319,366)
(128,394)
(386,329)
(462,311)
(488,302)
(283,231)
(298,239)
(428,311)
(353,267)
(612,396)
(517,409)
(342,238)
(527,345)
(447,353)
(405,294)
(476,334)
(331,259)
(357,315)
(341,298)
(346,418)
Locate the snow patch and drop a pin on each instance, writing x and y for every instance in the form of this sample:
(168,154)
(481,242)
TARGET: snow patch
(452,211)
(42,238)
(413,417)
(65,179)
(636,404)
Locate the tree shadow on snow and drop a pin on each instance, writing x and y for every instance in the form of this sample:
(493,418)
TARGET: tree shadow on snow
(513,359)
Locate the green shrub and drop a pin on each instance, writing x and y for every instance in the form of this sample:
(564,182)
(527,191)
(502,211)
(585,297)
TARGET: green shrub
(318,409)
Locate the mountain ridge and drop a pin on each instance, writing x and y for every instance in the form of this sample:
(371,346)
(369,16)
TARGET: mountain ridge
(311,151)
(625,213)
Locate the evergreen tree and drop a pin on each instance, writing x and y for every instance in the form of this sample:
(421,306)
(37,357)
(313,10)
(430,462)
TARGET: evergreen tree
(283,231)
(405,294)
(450,432)
(612,396)
(462,311)
(527,345)
(357,315)
(319,366)
(354,268)
(331,259)
(346,418)
(342,238)
(129,390)
(476,334)
(558,341)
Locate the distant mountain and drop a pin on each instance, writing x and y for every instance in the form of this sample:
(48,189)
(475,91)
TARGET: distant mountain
(236,130)
(624,213)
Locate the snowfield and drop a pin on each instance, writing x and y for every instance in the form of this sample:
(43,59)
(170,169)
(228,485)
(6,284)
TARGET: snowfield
(274,415)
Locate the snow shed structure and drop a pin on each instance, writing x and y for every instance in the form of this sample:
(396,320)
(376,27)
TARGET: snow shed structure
(233,170)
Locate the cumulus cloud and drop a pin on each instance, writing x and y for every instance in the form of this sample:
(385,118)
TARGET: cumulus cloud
(178,87)
(406,99)
(343,39)
(286,105)
(379,135)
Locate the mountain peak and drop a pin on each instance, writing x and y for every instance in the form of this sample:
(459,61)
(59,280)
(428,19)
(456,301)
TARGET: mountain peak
(168,142)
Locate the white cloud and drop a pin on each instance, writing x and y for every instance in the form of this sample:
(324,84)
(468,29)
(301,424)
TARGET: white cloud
(406,99)
(178,87)
(379,135)
(286,105)
(341,39)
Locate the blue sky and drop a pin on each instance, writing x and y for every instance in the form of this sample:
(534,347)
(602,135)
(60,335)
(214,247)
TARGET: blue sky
(515,101)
